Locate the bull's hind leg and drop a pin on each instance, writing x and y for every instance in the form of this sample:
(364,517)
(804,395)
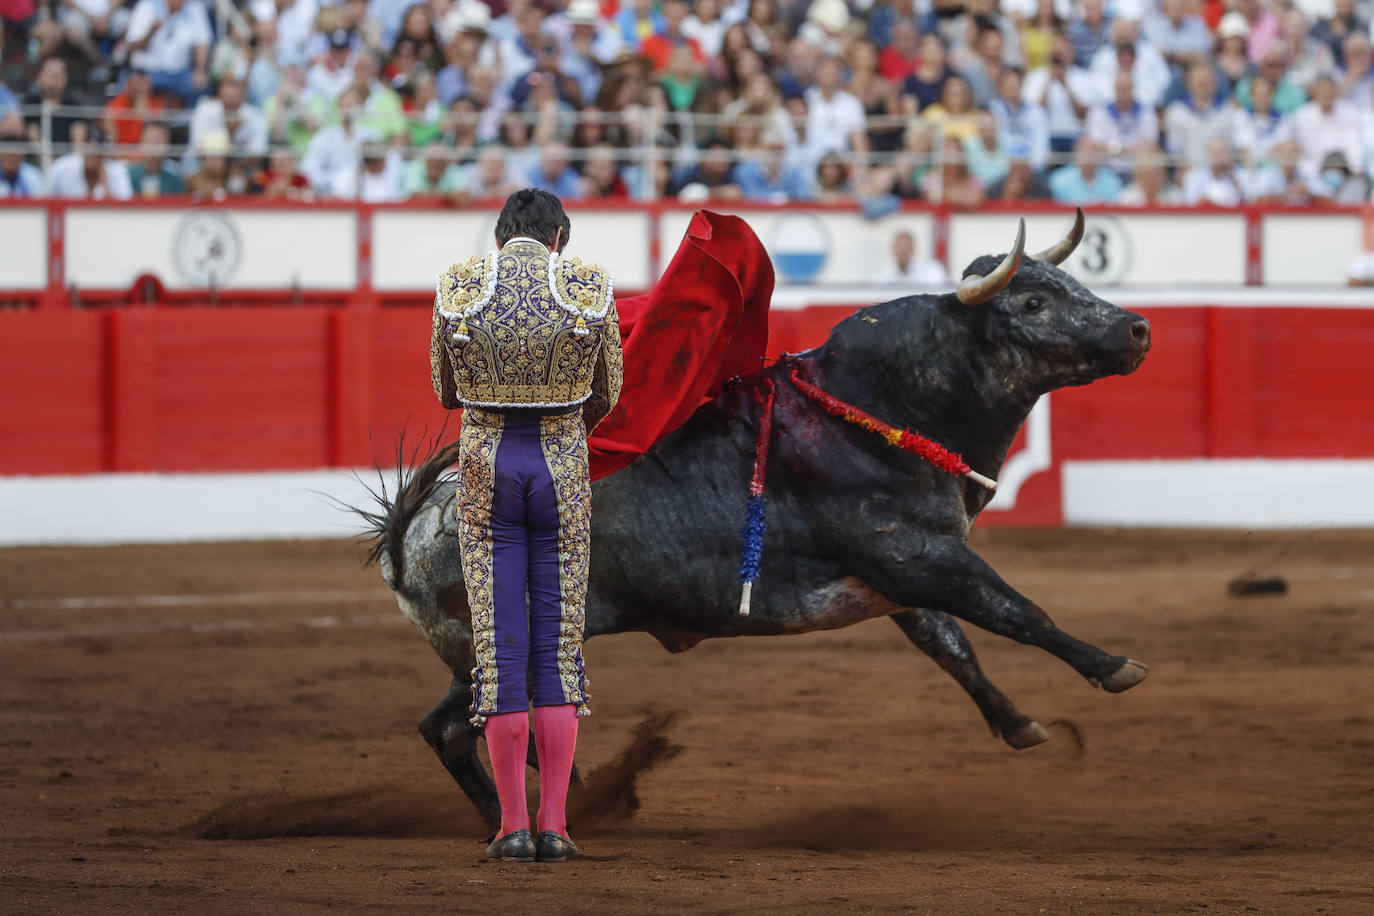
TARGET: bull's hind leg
(945,574)
(938,635)
(447,730)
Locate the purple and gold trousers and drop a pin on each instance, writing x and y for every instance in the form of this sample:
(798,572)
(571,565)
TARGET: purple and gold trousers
(524,511)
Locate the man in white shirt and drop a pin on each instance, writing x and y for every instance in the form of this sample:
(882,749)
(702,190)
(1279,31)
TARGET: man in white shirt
(909,270)
(1123,126)
(377,180)
(1327,125)
(1147,65)
(1022,124)
(295,23)
(171,40)
(326,80)
(1065,91)
(337,147)
(230,113)
(834,118)
(1197,117)
(1216,181)
(1256,130)
(90,173)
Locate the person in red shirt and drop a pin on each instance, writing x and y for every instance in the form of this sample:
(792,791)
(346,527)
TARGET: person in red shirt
(280,179)
(658,48)
(16,13)
(900,59)
(135,104)
(1212,11)
(19,17)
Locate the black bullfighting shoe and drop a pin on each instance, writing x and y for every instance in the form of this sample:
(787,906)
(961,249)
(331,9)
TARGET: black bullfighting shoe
(516,846)
(554,847)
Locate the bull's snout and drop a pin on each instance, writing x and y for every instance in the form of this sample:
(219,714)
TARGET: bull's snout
(1130,342)
(1140,334)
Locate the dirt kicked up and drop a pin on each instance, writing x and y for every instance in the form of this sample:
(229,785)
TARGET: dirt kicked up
(231,728)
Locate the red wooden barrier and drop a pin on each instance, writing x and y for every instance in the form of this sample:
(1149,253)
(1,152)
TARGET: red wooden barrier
(55,408)
(284,388)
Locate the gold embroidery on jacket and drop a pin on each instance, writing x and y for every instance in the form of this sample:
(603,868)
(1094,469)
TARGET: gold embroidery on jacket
(583,290)
(466,287)
(522,347)
(564,441)
(608,376)
(440,367)
(480,438)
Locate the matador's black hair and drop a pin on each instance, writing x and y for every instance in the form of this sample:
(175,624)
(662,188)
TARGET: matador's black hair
(534,214)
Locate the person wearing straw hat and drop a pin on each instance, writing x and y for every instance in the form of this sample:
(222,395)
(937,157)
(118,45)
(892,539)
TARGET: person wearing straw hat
(586,46)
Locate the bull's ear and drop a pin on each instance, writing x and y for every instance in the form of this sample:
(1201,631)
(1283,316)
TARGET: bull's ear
(1056,253)
(975,290)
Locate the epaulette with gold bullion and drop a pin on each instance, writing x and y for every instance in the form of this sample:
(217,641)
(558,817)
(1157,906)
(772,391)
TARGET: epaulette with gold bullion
(464,289)
(583,290)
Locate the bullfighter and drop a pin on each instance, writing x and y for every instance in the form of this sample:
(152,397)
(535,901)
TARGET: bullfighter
(528,343)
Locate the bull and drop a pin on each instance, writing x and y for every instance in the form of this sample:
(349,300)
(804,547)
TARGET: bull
(857,529)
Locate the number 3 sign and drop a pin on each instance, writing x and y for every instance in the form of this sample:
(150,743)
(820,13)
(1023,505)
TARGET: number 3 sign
(1104,256)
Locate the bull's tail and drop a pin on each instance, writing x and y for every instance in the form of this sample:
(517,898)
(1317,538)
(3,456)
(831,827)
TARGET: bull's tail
(386,522)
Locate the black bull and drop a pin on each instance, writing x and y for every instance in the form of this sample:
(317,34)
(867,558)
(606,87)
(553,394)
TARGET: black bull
(856,528)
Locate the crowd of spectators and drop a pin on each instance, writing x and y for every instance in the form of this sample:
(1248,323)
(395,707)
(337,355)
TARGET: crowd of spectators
(1110,101)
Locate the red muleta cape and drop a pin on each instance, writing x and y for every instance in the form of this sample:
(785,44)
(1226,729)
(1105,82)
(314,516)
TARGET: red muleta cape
(705,321)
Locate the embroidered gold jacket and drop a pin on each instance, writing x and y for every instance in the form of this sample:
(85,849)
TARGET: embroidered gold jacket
(522,327)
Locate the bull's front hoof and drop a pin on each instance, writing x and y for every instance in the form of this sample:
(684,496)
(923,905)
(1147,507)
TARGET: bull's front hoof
(1028,735)
(1125,677)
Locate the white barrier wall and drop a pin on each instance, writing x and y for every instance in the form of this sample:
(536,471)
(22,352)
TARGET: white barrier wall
(23,248)
(318,248)
(409,247)
(1220,493)
(1303,249)
(110,247)
(1119,249)
(819,246)
(160,508)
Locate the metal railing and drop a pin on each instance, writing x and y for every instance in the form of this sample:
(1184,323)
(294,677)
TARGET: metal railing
(642,139)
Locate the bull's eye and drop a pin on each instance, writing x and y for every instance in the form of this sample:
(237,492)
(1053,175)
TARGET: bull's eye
(1034,305)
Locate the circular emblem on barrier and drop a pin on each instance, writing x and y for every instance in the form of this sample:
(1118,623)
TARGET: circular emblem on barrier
(1104,256)
(800,244)
(206,248)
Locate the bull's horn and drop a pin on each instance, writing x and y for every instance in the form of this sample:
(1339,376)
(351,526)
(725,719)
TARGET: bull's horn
(976,290)
(1058,252)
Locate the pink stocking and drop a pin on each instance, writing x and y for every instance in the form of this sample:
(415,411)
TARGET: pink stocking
(555,738)
(508,739)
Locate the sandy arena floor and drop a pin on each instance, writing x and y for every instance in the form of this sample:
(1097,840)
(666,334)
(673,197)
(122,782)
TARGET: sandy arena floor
(231,728)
